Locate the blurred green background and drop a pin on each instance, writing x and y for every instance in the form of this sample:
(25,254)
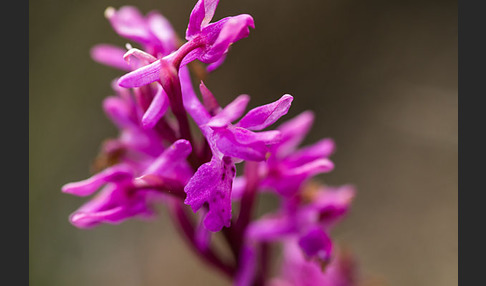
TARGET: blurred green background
(381,77)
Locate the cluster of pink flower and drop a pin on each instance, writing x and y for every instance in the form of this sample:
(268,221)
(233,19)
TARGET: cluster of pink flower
(156,158)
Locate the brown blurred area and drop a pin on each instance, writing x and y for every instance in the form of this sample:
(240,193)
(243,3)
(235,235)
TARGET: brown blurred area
(381,77)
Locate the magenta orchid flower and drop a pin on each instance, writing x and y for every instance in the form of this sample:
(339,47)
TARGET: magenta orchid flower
(207,42)
(212,182)
(212,40)
(159,158)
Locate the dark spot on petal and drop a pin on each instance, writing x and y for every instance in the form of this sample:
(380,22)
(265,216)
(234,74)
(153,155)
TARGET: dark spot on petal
(227,160)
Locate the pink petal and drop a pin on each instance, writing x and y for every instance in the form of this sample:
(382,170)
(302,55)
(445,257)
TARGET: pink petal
(322,149)
(141,76)
(114,215)
(231,112)
(213,66)
(264,116)
(110,55)
(163,31)
(129,23)
(211,184)
(210,102)
(213,42)
(118,111)
(293,132)
(312,168)
(245,136)
(233,29)
(89,186)
(140,55)
(331,203)
(157,108)
(201,15)
(177,152)
(228,145)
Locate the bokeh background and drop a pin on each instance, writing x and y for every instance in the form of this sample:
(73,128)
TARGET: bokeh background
(381,77)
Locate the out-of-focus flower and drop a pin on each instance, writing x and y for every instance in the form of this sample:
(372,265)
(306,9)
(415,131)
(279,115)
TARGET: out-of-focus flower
(287,167)
(297,270)
(308,218)
(127,192)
